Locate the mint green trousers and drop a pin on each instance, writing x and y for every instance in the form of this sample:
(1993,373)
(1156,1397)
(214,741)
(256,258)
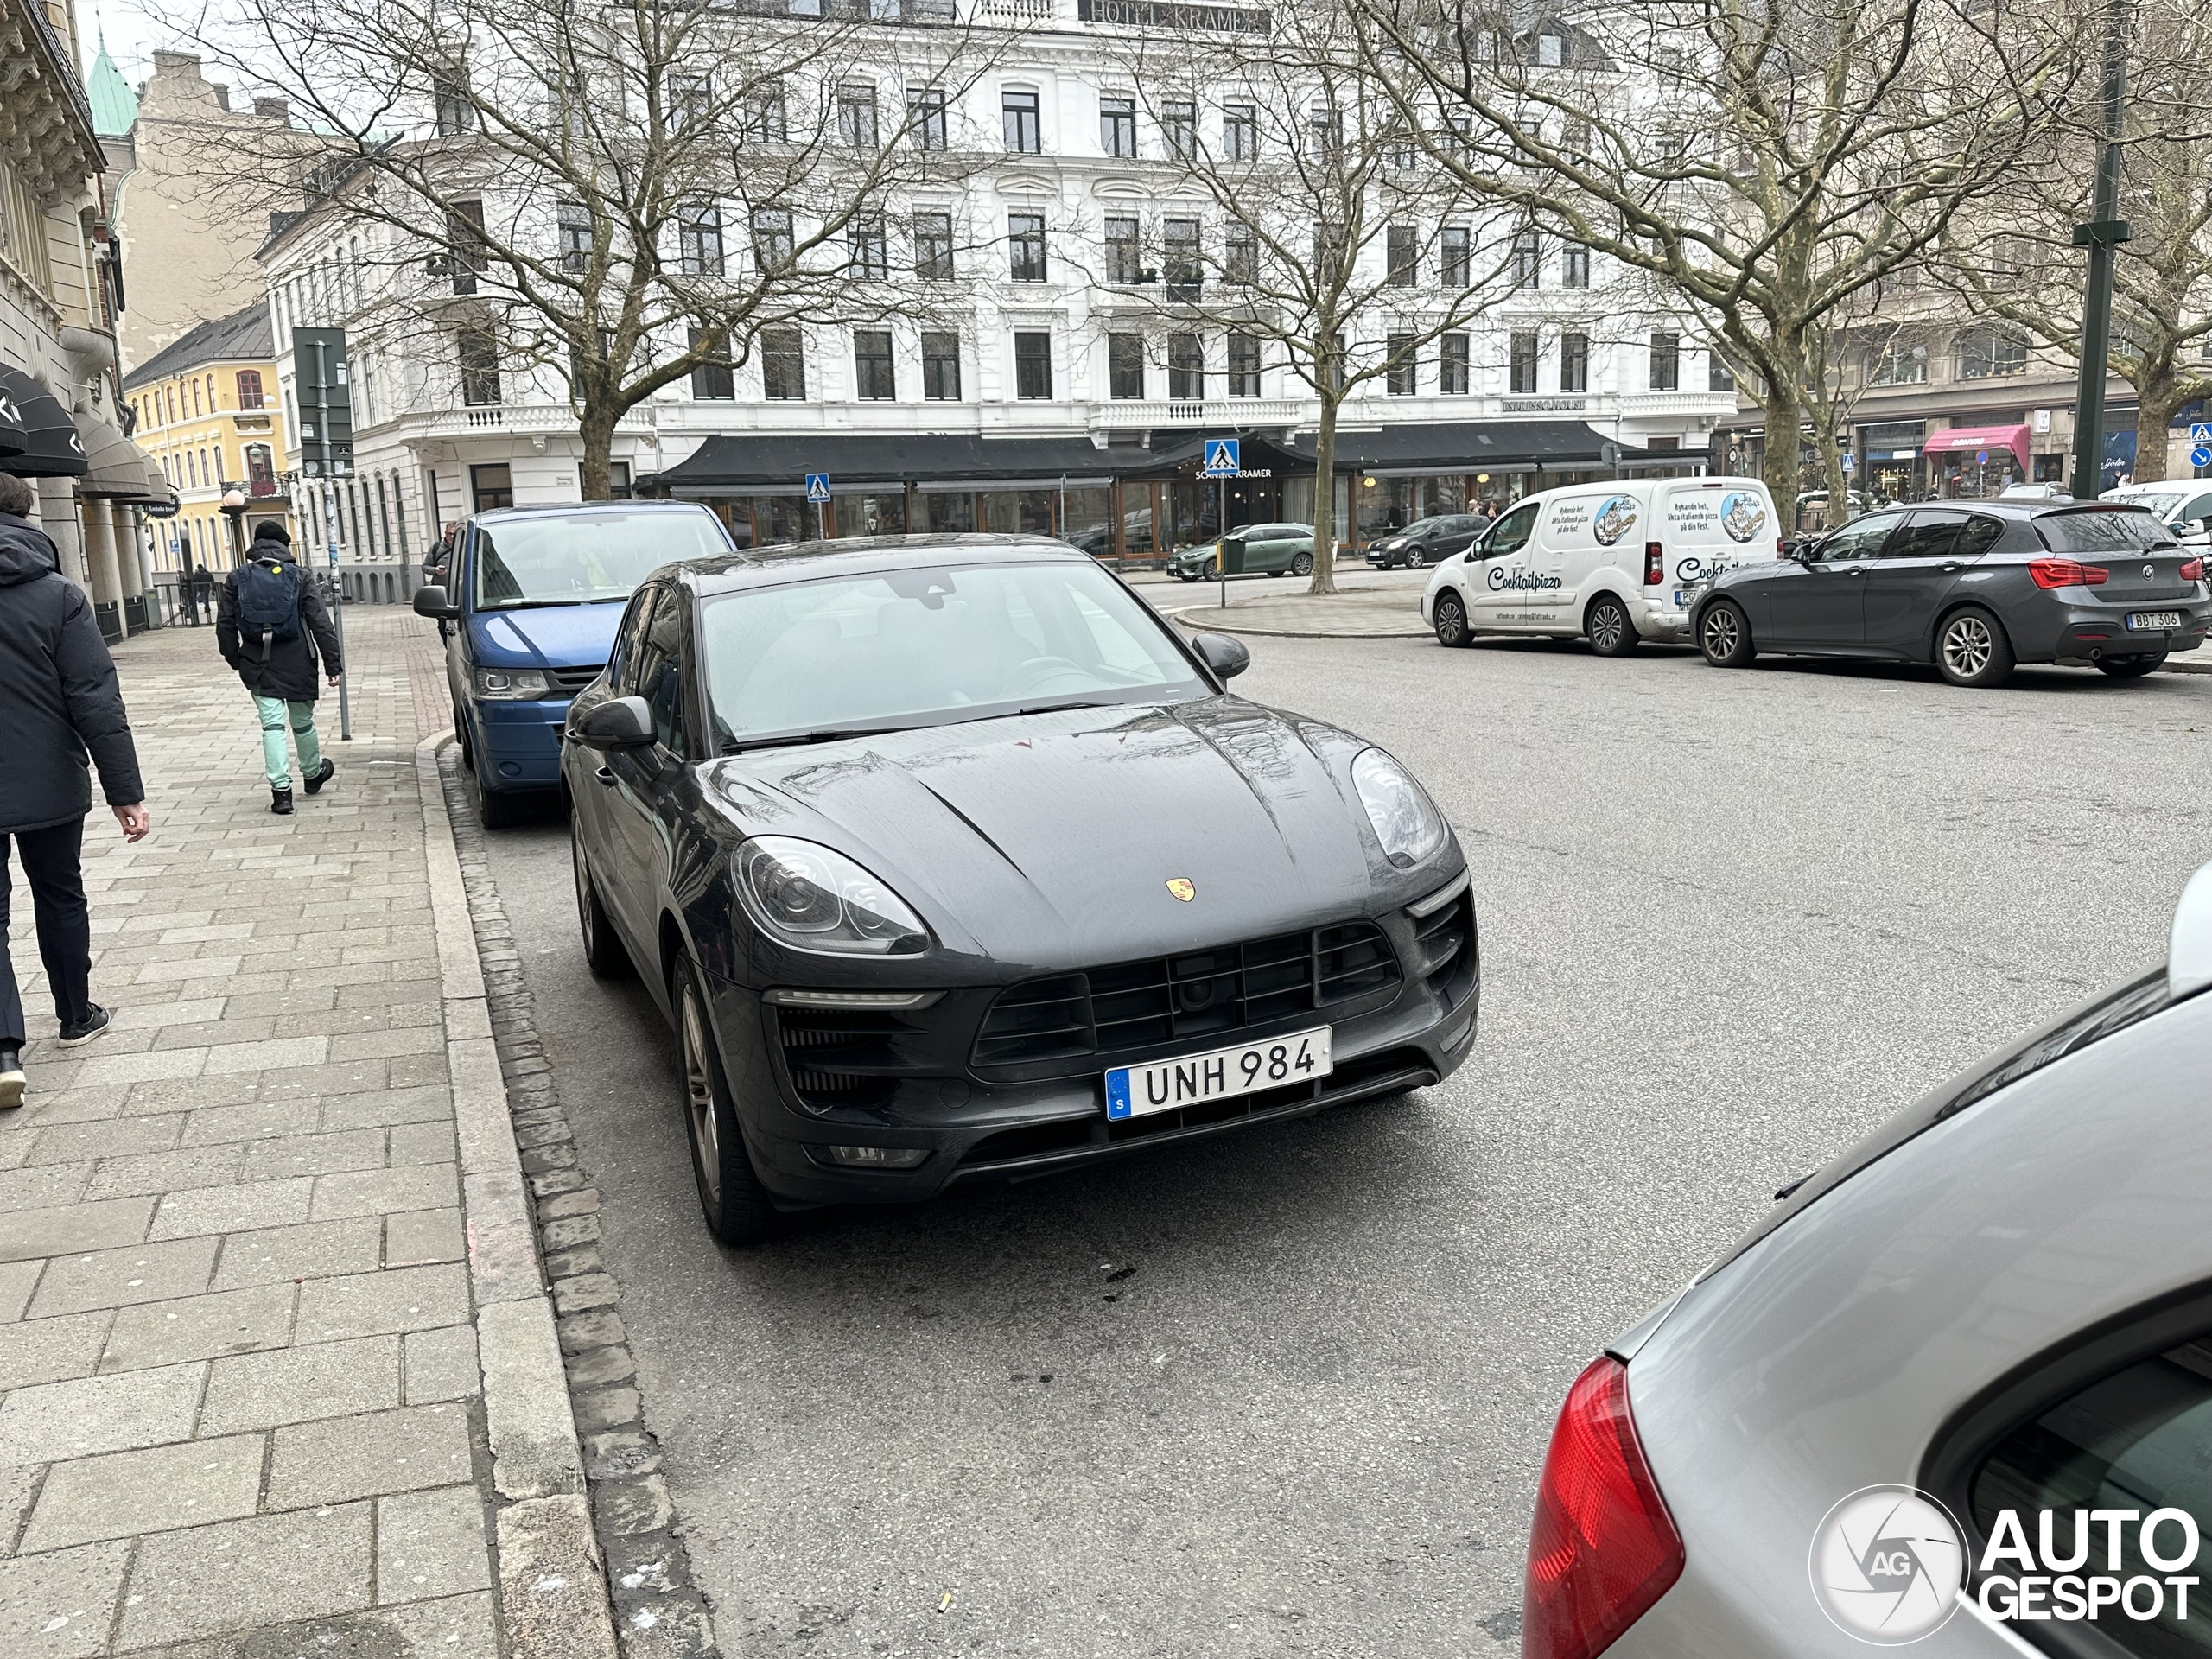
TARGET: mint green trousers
(272,711)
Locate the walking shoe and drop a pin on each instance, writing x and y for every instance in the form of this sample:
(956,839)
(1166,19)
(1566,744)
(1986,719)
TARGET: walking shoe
(11,1077)
(329,771)
(280,802)
(84,1030)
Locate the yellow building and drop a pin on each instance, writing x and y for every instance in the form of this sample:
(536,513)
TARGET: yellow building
(206,408)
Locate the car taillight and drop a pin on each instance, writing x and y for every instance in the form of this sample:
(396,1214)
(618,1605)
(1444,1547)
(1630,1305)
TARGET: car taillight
(2192,570)
(2067,573)
(1655,565)
(1603,1549)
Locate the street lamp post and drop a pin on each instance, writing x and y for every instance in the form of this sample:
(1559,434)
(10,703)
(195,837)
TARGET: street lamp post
(2102,236)
(233,508)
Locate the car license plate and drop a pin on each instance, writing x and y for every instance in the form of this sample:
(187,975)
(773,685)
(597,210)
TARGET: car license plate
(2151,621)
(1682,598)
(1194,1079)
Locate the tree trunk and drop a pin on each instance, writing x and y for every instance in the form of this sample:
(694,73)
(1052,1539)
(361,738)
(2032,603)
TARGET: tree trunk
(596,429)
(1839,486)
(1783,472)
(1325,498)
(2158,395)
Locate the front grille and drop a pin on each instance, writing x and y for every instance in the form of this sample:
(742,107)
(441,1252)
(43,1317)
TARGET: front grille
(569,681)
(1216,993)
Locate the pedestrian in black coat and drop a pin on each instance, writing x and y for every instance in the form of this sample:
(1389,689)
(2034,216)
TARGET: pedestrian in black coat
(281,673)
(61,717)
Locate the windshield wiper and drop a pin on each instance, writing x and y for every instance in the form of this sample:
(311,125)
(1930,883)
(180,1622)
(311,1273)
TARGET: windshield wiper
(792,740)
(550,604)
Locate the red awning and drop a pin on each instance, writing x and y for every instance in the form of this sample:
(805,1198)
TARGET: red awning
(1953,438)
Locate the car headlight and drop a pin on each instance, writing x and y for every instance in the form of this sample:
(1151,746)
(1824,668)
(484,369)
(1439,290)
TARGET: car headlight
(1406,821)
(804,895)
(509,683)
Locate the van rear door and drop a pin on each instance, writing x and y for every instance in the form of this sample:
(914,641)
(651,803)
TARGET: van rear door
(1706,525)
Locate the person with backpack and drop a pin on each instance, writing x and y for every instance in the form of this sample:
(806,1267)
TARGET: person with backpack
(60,718)
(269,623)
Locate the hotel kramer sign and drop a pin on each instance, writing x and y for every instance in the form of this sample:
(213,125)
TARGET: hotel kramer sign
(1172,14)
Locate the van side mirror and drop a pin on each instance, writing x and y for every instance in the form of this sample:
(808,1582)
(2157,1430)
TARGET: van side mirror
(1228,657)
(431,601)
(618,723)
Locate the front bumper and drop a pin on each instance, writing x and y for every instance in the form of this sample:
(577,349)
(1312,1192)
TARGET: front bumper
(519,742)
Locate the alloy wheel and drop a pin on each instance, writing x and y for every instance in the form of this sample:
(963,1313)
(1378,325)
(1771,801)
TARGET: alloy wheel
(1721,634)
(1607,624)
(1968,646)
(699,1099)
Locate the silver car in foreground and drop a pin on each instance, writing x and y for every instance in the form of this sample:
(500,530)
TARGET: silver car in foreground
(1955,1391)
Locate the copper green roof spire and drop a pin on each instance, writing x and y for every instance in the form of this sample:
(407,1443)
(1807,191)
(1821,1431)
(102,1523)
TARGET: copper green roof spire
(115,107)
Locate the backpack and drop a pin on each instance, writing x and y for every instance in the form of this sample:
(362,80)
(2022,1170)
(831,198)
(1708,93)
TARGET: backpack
(268,602)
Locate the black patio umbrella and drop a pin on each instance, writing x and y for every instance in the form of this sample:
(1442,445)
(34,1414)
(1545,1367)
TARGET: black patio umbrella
(50,446)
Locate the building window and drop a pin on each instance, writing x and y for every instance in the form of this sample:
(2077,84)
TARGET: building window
(1985,354)
(465,239)
(1551,50)
(933,247)
(618,489)
(453,111)
(1024,242)
(773,246)
(782,365)
(1243,365)
(1453,377)
(1187,367)
(925,118)
(1574,362)
(1456,269)
(480,366)
(249,388)
(491,487)
(1719,377)
(699,241)
(1125,364)
(873,378)
(1399,365)
(1666,361)
(1023,136)
(713,378)
(868,246)
(765,121)
(1117,124)
(1179,241)
(1573,266)
(573,220)
(1324,130)
(1239,256)
(1240,131)
(1402,256)
(1896,364)
(690,101)
(856,115)
(1033,365)
(1528,260)
(1179,129)
(941,367)
(1521,367)
(1124,255)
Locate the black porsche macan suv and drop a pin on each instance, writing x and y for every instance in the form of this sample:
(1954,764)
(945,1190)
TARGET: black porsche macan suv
(949,859)
(1972,587)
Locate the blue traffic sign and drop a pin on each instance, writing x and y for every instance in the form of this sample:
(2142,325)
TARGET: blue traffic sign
(2201,456)
(1224,457)
(1982,458)
(2200,432)
(818,486)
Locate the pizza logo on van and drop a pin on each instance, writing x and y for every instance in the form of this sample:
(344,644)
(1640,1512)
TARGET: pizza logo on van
(1614,520)
(1743,515)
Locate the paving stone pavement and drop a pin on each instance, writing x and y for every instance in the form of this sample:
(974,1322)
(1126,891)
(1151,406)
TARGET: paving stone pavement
(242,1410)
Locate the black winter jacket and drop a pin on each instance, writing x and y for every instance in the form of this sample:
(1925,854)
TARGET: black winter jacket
(58,700)
(290,673)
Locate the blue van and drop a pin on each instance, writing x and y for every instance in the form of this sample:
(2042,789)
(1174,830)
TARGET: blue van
(537,593)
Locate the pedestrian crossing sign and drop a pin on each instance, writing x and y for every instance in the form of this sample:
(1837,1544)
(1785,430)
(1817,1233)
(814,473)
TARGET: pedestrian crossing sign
(2200,432)
(818,486)
(1222,457)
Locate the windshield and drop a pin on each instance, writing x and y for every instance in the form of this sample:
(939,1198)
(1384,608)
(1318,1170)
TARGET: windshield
(1422,526)
(584,560)
(931,646)
(2103,530)
(2162,504)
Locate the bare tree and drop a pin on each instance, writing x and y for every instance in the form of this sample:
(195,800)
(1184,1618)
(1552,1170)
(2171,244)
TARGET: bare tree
(1769,160)
(626,192)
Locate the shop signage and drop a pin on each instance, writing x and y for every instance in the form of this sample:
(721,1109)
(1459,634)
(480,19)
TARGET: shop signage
(1172,14)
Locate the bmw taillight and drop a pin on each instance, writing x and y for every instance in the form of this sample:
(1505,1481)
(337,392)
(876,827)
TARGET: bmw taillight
(2192,570)
(2068,573)
(1603,1549)
(1655,565)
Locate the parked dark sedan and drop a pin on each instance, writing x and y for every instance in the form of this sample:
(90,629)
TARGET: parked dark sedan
(949,859)
(1971,588)
(1426,541)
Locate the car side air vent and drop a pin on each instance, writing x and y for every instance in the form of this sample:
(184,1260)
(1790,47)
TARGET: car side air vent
(841,1057)
(1443,943)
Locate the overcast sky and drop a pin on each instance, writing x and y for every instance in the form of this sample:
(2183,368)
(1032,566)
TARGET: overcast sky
(133,33)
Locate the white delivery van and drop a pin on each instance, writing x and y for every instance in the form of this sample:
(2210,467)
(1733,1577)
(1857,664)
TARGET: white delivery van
(2185,505)
(1607,562)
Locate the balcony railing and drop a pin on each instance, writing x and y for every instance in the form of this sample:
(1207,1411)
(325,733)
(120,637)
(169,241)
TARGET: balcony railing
(1218,412)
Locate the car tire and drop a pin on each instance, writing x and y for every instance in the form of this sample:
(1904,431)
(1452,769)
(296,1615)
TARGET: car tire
(734,1203)
(1724,634)
(1451,614)
(498,809)
(1301,564)
(1417,558)
(1610,628)
(2129,668)
(604,954)
(1971,650)
(461,736)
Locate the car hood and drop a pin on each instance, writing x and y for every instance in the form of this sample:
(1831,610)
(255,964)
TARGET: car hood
(1048,840)
(551,636)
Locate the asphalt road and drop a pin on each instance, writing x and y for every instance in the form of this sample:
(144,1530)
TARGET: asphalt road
(1288,1393)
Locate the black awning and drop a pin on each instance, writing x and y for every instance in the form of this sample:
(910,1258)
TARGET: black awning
(51,447)
(1465,446)
(13,439)
(856,462)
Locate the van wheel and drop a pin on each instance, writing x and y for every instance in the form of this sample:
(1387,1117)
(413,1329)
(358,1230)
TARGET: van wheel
(498,809)
(1611,634)
(1452,620)
(1724,633)
(2128,667)
(461,736)
(1971,650)
(731,1198)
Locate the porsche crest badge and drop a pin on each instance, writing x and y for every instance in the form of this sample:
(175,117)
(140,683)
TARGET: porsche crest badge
(1182,887)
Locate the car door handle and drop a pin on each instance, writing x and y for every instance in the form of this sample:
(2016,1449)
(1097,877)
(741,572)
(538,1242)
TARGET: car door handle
(1949,569)
(605,776)
(1853,571)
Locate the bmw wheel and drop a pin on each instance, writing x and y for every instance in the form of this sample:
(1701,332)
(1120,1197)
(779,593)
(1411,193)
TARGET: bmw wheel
(1971,649)
(2128,667)
(1612,633)
(734,1203)
(1301,564)
(604,954)
(1724,633)
(1452,627)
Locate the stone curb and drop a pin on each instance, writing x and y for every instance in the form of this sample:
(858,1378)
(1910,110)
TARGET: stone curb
(552,1600)
(1200,619)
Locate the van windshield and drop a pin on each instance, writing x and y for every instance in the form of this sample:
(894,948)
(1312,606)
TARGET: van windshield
(587,559)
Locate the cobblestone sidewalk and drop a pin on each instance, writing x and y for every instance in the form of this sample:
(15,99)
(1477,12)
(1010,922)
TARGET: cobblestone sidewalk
(250,1236)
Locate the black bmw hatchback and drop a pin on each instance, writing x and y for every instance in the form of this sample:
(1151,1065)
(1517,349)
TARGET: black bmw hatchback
(1972,587)
(948,860)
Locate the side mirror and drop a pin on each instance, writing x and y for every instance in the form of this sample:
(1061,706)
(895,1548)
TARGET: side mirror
(618,723)
(1228,657)
(432,602)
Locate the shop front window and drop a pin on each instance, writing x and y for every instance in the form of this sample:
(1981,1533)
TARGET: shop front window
(1016,512)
